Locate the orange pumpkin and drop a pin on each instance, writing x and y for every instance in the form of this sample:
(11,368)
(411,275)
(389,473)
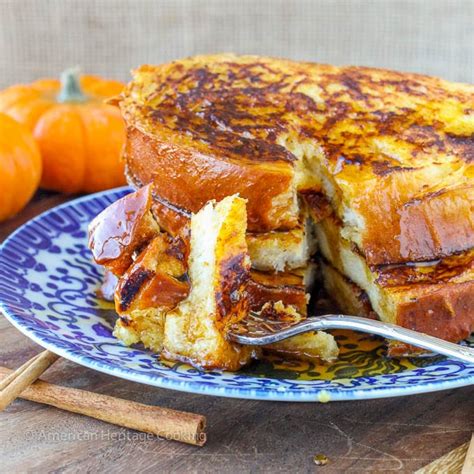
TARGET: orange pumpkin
(20,166)
(80,137)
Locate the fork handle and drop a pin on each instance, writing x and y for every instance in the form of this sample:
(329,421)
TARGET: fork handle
(387,330)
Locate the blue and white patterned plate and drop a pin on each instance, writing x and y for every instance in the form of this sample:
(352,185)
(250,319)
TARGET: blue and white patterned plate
(48,290)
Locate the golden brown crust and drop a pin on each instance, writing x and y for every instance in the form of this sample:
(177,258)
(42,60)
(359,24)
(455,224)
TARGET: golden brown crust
(265,287)
(262,287)
(231,291)
(157,278)
(394,148)
(219,270)
(121,229)
(170,218)
(433,297)
(452,269)
(446,313)
(443,270)
(418,229)
(203,177)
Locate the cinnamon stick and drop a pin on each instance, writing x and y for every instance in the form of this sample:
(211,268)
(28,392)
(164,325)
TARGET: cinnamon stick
(163,422)
(25,376)
(11,377)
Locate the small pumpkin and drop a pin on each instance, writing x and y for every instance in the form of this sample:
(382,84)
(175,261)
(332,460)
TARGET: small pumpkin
(20,166)
(79,135)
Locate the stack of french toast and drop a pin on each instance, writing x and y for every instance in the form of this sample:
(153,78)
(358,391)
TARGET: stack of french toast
(258,179)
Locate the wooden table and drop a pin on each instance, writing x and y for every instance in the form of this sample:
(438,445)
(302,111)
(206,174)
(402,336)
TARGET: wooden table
(396,434)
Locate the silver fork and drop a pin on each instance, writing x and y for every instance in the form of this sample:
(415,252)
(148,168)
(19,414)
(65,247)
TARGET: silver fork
(258,331)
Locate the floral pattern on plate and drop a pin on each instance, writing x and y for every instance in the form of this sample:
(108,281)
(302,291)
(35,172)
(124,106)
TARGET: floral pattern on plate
(48,286)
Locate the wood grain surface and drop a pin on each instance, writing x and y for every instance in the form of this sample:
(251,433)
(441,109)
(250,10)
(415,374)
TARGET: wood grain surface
(395,434)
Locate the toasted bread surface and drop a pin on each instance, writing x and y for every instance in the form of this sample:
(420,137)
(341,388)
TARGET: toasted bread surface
(203,177)
(158,278)
(392,152)
(121,229)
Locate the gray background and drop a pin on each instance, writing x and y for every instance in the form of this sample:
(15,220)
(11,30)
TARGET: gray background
(42,37)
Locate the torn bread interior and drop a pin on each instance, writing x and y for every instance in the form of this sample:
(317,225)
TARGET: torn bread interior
(219,269)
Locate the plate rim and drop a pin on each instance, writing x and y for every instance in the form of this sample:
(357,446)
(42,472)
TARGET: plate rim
(197,387)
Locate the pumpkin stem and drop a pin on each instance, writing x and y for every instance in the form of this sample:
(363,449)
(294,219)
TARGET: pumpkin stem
(70,87)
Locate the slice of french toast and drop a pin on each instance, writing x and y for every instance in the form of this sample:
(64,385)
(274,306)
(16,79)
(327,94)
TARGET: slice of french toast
(180,295)
(155,283)
(435,298)
(122,229)
(391,152)
(219,270)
